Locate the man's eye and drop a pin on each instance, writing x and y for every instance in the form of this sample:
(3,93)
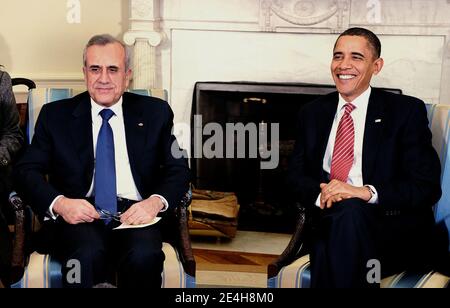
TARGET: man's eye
(113,69)
(94,69)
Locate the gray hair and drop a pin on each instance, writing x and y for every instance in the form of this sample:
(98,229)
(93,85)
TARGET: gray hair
(104,39)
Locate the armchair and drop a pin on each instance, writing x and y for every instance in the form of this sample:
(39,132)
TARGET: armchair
(292,268)
(39,269)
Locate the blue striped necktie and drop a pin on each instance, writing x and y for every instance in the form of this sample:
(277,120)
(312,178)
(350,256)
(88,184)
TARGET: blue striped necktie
(105,168)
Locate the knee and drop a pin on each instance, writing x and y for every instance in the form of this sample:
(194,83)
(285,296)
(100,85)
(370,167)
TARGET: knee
(142,259)
(353,206)
(89,253)
(352,210)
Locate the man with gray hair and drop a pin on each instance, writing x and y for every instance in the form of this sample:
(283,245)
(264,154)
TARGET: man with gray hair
(107,157)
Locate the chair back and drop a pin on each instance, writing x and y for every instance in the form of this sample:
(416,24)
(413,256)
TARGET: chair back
(22,105)
(439,121)
(41,96)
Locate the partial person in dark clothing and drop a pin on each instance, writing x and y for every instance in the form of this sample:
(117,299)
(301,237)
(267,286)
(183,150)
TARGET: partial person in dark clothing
(11,141)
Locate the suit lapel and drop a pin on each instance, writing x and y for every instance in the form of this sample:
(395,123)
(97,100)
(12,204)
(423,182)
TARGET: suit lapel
(135,133)
(328,113)
(81,134)
(372,134)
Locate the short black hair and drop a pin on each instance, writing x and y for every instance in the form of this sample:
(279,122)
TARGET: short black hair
(372,39)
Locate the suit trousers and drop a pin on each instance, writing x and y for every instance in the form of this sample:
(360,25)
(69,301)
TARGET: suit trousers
(129,258)
(133,256)
(344,240)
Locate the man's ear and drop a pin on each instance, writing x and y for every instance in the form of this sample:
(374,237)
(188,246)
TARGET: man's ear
(378,65)
(128,75)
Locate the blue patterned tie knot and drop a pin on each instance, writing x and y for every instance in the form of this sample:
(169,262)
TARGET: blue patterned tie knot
(106,114)
(105,167)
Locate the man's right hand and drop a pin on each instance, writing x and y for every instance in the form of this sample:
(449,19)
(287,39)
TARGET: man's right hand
(75,211)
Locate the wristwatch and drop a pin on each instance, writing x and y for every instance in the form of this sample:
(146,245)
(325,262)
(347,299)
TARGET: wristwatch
(371,191)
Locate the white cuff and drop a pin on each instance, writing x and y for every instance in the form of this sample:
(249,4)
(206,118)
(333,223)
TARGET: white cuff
(164,201)
(374,199)
(318,200)
(50,209)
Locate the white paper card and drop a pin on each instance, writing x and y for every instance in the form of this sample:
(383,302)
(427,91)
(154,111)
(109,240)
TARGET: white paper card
(123,226)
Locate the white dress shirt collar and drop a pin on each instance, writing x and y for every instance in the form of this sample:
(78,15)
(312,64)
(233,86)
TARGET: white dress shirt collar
(360,101)
(116,108)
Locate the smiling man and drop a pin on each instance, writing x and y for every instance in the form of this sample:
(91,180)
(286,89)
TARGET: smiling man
(365,169)
(100,159)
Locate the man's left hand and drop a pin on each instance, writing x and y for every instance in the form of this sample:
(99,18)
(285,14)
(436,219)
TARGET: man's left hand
(336,191)
(142,212)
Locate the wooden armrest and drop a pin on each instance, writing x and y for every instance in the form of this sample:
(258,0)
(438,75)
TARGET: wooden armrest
(184,245)
(294,249)
(184,240)
(18,252)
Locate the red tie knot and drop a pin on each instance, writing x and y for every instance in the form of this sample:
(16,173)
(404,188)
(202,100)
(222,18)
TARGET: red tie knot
(349,107)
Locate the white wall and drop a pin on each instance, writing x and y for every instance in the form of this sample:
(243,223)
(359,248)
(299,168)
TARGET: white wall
(38,42)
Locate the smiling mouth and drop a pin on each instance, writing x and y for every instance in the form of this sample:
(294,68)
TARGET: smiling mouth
(346,76)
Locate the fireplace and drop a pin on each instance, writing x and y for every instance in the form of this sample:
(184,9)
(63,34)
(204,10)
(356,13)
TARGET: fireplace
(256,177)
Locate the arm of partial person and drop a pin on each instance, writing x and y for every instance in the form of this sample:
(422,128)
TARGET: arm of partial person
(11,138)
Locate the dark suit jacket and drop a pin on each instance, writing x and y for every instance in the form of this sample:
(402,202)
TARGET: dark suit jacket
(398,158)
(11,138)
(62,150)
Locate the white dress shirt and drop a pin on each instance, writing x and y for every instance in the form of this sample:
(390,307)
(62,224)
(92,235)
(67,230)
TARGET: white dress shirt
(358,115)
(126,188)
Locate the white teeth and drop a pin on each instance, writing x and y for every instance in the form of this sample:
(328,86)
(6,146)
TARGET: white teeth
(346,77)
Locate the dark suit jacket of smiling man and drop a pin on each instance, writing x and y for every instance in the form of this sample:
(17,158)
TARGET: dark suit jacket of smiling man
(56,174)
(397,160)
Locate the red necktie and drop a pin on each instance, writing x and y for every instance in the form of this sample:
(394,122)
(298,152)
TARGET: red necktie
(342,160)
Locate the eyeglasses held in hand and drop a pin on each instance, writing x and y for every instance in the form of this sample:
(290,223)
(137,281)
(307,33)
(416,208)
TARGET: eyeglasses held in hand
(105,214)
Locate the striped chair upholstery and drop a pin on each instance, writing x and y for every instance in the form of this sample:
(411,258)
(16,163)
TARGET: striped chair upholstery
(439,116)
(43,271)
(295,275)
(298,274)
(41,96)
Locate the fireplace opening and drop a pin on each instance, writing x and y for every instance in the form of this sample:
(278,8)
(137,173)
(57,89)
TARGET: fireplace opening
(265,204)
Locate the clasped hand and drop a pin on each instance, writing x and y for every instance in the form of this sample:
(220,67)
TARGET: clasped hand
(336,191)
(76,211)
